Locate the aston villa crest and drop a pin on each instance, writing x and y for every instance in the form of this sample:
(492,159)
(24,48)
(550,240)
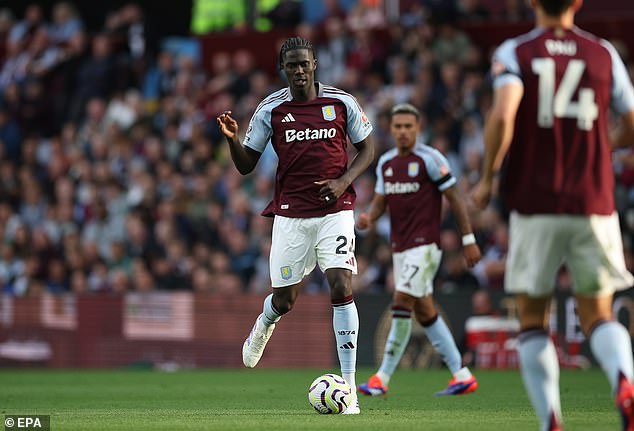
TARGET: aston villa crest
(329,112)
(286,272)
(412,169)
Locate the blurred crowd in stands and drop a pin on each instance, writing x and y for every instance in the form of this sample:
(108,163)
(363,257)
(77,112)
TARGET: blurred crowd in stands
(114,177)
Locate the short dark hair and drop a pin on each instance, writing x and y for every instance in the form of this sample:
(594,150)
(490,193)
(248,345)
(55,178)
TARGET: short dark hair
(555,7)
(293,43)
(405,108)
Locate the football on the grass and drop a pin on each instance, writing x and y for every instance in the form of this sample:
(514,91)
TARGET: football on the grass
(329,394)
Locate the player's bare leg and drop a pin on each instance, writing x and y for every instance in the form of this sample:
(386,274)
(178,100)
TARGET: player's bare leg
(612,347)
(345,322)
(538,360)
(278,303)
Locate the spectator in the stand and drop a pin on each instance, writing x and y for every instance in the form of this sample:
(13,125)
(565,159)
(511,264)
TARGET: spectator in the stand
(66,23)
(96,75)
(124,110)
(25,282)
(201,279)
(43,56)
(399,88)
(11,266)
(142,278)
(159,79)
(366,15)
(118,258)
(446,96)
(35,108)
(482,304)
(6,22)
(101,231)
(98,277)
(516,10)
(242,256)
(119,281)
(243,67)
(365,52)
(222,75)
(472,10)
(10,137)
(14,68)
(131,36)
(330,9)
(79,283)
(33,207)
(332,52)
(470,138)
(25,28)
(56,280)
(261,280)
(450,44)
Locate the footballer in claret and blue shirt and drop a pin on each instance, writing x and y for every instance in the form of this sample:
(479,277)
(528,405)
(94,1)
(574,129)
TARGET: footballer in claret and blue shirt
(311,142)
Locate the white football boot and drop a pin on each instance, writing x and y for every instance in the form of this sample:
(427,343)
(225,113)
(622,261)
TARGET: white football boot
(353,408)
(253,346)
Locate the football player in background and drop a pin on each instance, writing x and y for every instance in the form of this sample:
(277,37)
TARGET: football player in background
(553,88)
(411,180)
(308,124)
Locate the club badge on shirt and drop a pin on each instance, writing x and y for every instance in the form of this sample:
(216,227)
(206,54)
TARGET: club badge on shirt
(412,169)
(329,112)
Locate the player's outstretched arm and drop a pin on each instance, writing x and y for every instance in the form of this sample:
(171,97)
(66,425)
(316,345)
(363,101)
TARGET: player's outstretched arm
(243,157)
(376,210)
(498,134)
(469,247)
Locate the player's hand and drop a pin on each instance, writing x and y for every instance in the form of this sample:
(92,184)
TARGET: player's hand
(471,254)
(481,194)
(363,221)
(330,190)
(228,126)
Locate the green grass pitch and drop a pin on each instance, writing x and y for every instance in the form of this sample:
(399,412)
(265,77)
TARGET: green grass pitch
(277,400)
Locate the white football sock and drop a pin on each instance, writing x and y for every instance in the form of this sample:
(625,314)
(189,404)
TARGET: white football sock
(269,313)
(463,374)
(540,372)
(442,340)
(612,347)
(345,322)
(397,339)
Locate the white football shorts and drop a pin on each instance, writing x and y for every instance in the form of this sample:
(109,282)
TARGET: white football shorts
(415,269)
(298,244)
(590,246)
